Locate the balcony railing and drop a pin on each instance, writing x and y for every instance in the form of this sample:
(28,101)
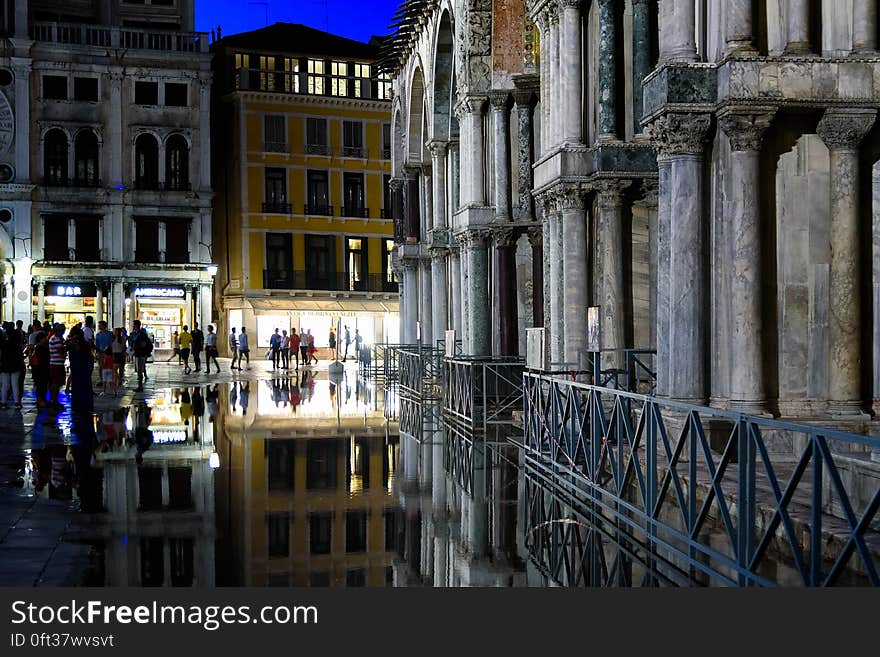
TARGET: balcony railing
(156,186)
(354,151)
(289,279)
(71,182)
(319,210)
(275,147)
(362,213)
(386,213)
(276,208)
(168,258)
(114,37)
(317,149)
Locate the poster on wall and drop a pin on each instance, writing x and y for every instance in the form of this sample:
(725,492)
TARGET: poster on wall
(163,316)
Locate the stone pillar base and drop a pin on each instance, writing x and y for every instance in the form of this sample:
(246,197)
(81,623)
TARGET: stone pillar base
(749,406)
(847,410)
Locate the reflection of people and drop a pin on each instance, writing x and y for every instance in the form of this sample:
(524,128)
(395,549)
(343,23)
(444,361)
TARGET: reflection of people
(332,343)
(244,396)
(347,343)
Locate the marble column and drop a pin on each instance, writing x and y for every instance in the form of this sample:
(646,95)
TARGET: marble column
(648,202)
(410,301)
(609,206)
(41,301)
(745,130)
(574,273)
(456,300)
(501,125)
(738,28)
(571,74)
(426,307)
(864,32)
(426,188)
(99,303)
(525,157)
(474,127)
(680,139)
(553,320)
(682,31)
(664,230)
(411,202)
(439,151)
(607,71)
(842,131)
(554,117)
(797,27)
(479,328)
(397,209)
(506,289)
(465,293)
(542,21)
(438,293)
(536,240)
(641,57)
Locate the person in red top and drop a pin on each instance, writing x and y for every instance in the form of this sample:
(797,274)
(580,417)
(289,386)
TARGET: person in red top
(295,341)
(312,349)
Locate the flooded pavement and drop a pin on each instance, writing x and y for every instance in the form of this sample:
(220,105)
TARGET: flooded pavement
(257,480)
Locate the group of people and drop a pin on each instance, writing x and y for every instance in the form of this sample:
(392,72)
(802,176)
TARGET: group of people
(186,343)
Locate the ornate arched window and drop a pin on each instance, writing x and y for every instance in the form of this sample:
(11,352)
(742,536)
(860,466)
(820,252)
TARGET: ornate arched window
(146,156)
(55,149)
(177,163)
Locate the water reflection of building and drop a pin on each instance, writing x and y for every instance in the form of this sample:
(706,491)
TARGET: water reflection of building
(157,524)
(307,498)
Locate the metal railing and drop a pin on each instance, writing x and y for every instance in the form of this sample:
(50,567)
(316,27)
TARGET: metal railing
(354,211)
(290,279)
(419,389)
(276,147)
(82,34)
(318,210)
(632,370)
(277,208)
(688,495)
(481,397)
(317,149)
(353,151)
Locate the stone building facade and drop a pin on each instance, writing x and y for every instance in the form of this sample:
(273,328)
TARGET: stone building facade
(107,193)
(705,173)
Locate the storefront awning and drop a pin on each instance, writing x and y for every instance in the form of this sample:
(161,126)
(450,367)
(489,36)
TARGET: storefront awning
(345,306)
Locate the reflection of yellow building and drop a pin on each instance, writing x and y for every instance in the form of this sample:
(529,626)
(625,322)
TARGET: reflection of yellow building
(307,497)
(302,148)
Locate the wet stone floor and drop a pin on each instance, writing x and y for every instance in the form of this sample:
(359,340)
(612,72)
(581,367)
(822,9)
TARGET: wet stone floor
(259,478)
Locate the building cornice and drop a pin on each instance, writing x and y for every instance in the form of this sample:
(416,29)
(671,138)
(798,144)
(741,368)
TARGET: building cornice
(305,99)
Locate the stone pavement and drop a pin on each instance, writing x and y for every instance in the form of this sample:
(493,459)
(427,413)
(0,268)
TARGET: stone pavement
(38,511)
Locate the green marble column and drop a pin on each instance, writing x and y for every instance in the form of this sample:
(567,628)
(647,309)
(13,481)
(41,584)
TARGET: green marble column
(607,70)
(641,57)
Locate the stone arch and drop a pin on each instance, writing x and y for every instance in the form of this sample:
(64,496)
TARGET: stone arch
(444,76)
(56,148)
(415,137)
(398,146)
(87,157)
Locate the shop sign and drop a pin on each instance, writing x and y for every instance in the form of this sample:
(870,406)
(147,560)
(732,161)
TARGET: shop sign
(71,290)
(162,316)
(169,436)
(160,292)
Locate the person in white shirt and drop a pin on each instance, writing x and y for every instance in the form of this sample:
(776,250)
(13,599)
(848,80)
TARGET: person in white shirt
(244,349)
(89,330)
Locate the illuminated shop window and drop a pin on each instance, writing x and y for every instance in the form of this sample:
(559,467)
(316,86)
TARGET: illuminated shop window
(316,76)
(339,78)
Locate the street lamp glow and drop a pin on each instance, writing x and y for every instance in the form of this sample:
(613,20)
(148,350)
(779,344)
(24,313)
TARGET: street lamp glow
(212,270)
(214,460)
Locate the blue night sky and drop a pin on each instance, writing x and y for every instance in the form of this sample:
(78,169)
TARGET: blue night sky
(355,19)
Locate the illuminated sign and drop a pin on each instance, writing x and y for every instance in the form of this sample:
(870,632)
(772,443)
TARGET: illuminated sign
(169,436)
(71,290)
(160,292)
(68,291)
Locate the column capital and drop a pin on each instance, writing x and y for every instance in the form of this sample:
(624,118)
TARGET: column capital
(525,86)
(412,171)
(536,235)
(438,253)
(745,128)
(396,184)
(498,99)
(679,133)
(473,103)
(570,197)
(609,191)
(409,264)
(437,147)
(505,236)
(476,238)
(844,129)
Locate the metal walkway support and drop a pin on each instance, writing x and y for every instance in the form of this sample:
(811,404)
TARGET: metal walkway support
(626,490)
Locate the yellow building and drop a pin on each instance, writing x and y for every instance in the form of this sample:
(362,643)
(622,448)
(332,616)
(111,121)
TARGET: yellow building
(302,149)
(306,491)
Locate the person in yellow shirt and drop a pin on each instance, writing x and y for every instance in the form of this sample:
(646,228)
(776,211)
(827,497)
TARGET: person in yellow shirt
(185,346)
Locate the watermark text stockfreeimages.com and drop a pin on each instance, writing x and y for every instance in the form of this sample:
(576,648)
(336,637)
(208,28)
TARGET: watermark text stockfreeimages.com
(209,617)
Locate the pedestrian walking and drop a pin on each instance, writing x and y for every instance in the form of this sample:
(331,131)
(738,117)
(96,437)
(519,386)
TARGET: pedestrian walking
(11,365)
(313,351)
(82,364)
(233,349)
(39,360)
(295,341)
(143,347)
(89,331)
(304,347)
(332,344)
(347,343)
(175,346)
(118,349)
(185,347)
(211,351)
(358,343)
(285,350)
(198,345)
(244,348)
(275,348)
(57,360)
